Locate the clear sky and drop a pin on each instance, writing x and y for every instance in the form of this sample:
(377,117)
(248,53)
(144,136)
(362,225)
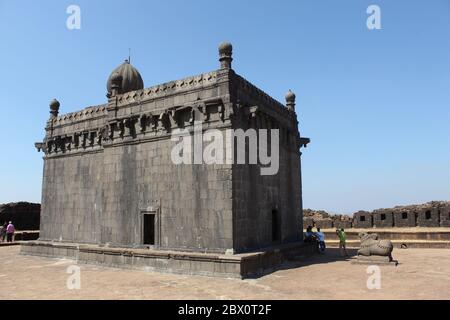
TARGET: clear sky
(375,103)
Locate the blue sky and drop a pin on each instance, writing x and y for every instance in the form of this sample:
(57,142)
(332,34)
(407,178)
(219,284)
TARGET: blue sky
(375,103)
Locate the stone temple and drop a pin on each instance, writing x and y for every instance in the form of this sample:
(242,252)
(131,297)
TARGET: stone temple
(112,195)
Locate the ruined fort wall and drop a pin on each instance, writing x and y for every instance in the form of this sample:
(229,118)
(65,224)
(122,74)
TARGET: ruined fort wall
(24,215)
(431,214)
(428,217)
(444,215)
(362,219)
(405,218)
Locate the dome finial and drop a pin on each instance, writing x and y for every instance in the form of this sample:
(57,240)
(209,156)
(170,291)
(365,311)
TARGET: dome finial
(225,54)
(290,101)
(54,108)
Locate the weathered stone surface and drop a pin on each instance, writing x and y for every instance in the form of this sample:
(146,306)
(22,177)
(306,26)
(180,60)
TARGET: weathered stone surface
(231,266)
(431,214)
(308,222)
(404,218)
(372,246)
(374,260)
(362,219)
(106,166)
(383,218)
(316,214)
(342,222)
(320,219)
(324,223)
(373,250)
(428,217)
(444,215)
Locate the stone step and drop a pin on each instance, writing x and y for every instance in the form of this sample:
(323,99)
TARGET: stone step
(397,243)
(415,234)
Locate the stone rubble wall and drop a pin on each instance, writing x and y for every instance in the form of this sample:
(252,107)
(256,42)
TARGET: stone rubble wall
(24,215)
(431,214)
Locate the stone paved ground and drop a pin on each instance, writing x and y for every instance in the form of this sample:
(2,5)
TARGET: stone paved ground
(422,274)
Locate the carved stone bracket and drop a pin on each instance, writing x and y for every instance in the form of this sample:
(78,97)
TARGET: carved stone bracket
(198,113)
(40,146)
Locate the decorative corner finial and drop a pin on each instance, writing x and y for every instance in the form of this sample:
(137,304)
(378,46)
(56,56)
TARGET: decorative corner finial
(225,55)
(54,108)
(290,101)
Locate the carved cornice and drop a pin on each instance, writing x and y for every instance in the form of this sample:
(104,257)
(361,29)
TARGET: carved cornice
(89,113)
(258,118)
(167,89)
(133,128)
(261,96)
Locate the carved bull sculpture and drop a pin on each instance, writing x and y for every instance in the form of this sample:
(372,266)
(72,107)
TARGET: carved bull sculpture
(371,246)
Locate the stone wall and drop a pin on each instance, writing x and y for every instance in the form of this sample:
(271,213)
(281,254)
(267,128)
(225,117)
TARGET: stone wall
(362,219)
(267,208)
(107,166)
(431,214)
(323,223)
(444,216)
(309,222)
(405,218)
(428,217)
(24,215)
(98,186)
(383,218)
(342,222)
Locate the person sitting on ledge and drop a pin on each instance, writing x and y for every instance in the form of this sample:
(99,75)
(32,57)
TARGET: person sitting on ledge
(309,235)
(321,239)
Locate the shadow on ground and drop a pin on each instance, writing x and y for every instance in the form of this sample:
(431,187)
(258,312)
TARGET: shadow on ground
(329,256)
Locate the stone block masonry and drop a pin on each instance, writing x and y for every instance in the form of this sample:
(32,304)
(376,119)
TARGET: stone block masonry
(109,178)
(323,224)
(383,218)
(405,218)
(241,266)
(444,215)
(362,219)
(428,215)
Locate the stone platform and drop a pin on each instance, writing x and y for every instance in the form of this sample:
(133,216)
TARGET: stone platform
(374,260)
(438,238)
(247,265)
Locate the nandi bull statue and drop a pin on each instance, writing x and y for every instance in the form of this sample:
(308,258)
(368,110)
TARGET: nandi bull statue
(371,246)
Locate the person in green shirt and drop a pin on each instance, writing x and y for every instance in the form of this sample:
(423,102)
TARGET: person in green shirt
(342,239)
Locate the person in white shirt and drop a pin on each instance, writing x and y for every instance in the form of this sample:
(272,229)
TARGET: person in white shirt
(321,239)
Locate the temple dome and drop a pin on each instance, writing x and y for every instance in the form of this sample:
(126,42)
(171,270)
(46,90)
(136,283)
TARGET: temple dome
(131,78)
